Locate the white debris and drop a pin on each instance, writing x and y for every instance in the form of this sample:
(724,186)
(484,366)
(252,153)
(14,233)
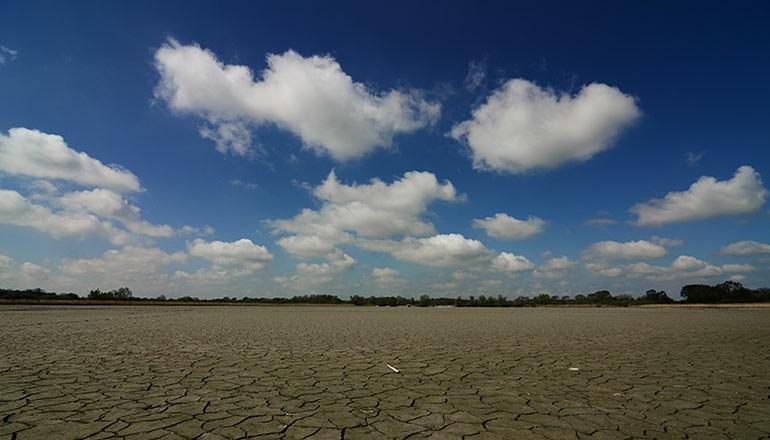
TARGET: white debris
(394,369)
(574,369)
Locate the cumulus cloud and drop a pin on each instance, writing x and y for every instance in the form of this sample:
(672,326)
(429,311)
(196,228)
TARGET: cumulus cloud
(510,263)
(706,198)
(241,257)
(307,246)
(505,227)
(106,203)
(555,267)
(320,273)
(684,267)
(630,250)
(522,126)
(141,268)
(442,250)
(745,248)
(312,97)
(387,277)
(16,275)
(123,264)
(373,210)
(32,153)
(15,209)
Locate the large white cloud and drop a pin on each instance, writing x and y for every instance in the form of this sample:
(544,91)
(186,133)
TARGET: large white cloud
(505,227)
(240,256)
(522,126)
(745,248)
(705,198)
(684,267)
(630,250)
(15,209)
(32,153)
(442,250)
(311,97)
(373,210)
(106,203)
(123,264)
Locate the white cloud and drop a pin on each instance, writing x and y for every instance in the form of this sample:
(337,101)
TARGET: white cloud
(140,268)
(7,54)
(477,72)
(505,227)
(386,277)
(319,273)
(746,248)
(737,268)
(15,209)
(686,262)
(307,246)
(311,97)
(442,250)
(31,153)
(507,262)
(15,275)
(685,268)
(666,242)
(106,203)
(196,230)
(555,267)
(522,126)
(373,210)
(229,137)
(558,263)
(630,250)
(123,264)
(705,198)
(242,257)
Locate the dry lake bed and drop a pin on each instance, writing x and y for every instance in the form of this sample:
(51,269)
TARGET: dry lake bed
(325,372)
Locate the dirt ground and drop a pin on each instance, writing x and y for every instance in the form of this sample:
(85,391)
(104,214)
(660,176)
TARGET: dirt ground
(323,372)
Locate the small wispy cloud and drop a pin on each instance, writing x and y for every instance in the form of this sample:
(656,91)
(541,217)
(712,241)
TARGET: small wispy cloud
(7,54)
(693,158)
(477,72)
(243,184)
(601,222)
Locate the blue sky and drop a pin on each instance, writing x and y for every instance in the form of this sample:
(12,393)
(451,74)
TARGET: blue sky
(517,149)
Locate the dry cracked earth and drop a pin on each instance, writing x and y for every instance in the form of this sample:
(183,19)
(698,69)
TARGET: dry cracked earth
(322,373)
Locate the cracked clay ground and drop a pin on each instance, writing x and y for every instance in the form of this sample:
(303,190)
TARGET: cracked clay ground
(321,373)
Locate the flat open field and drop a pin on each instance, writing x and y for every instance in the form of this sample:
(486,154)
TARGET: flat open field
(321,372)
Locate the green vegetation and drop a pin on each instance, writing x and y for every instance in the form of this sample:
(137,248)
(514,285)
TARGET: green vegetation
(121,294)
(36,294)
(727,292)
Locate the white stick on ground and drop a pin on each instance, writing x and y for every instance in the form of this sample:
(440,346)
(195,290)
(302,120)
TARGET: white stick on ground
(395,370)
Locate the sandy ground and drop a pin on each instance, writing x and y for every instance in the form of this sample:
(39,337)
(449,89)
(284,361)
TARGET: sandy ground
(322,372)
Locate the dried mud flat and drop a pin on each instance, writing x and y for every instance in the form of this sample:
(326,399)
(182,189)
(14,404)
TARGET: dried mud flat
(321,372)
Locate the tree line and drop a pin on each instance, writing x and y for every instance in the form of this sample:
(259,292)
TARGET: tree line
(727,292)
